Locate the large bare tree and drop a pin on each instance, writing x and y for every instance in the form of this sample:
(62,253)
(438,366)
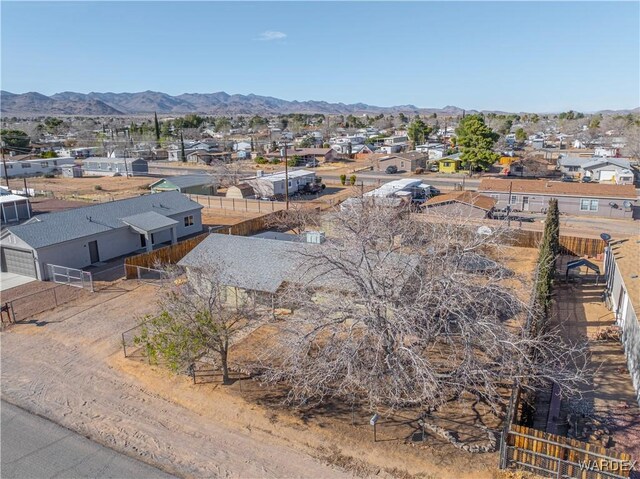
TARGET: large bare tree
(400,313)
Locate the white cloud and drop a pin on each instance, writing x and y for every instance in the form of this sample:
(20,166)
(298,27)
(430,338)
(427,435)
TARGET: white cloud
(270,35)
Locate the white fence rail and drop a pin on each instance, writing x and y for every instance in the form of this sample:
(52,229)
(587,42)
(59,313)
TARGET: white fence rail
(70,276)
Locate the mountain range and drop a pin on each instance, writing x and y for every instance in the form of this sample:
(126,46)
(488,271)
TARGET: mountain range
(220,103)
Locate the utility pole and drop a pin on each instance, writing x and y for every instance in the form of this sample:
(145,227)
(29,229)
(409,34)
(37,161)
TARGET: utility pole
(126,167)
(286,176)
(4,163)
(509,204)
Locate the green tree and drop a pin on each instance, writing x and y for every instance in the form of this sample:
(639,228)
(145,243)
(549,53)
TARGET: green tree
(521,135)
(476,141)
(307,142)
(48,154)
(594,122)
(352,180)
(157,126)
(183,155)
(15,140)
(343,179)
(418,132)
(196,320)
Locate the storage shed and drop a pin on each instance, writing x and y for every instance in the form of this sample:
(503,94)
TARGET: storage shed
(240,191)
(188,184)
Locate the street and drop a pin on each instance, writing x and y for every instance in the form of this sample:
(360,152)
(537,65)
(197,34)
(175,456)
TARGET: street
(33,447)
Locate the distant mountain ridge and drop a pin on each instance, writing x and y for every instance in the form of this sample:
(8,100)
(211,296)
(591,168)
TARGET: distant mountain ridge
(218,103)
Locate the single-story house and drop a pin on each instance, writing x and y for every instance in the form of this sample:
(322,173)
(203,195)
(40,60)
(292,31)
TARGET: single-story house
(80,237)
(404,161)
(466,204)
(208,157)
(188,184)
(449,164)
(307,154)
(242,145)
(13,208)
(610,170)
(623,285)
(274,184)
(240,191)
(33,166)
(261,267)
(572,165)
(96,166)
(584,199)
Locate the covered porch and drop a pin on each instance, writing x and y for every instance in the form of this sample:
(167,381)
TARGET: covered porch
(150,226)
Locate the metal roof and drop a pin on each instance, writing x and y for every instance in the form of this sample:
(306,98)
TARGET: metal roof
(186,181)
(53,228)
(149,221)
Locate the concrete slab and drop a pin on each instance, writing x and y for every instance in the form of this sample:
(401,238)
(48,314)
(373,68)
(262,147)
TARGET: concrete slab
(11,280)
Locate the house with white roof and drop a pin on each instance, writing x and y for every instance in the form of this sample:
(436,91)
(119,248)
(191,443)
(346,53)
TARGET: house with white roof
(275,184)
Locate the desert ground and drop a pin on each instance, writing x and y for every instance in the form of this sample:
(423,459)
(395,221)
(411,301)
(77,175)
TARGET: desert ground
(80,378)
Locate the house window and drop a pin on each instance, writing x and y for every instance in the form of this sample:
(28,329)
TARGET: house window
(25,165)
(514,199)
(44,164)
(9,167)
(497,197)
(188,220)
(447,164)
(589,205)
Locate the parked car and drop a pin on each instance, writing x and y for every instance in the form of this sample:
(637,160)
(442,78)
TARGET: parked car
(312,164)
(567,179)
(586,179)
(434,168)
(391,169)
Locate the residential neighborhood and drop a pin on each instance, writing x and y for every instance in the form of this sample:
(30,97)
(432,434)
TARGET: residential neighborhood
(268,269)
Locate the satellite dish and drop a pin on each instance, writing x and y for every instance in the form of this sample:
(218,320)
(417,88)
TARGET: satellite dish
(605,236)
(485,231)
(627,204)
(613,205)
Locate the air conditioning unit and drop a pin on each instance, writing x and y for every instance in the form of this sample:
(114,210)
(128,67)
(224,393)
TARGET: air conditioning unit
(315,237)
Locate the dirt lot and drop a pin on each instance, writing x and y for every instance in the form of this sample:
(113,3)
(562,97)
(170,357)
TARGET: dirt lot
(85,188)
(80,379)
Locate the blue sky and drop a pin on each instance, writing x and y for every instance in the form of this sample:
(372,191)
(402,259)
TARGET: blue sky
(515,56)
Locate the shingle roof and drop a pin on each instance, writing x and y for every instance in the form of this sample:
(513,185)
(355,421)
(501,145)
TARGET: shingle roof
(149,221)
(260,264)
(53,228)
(617,162)
(558,188)
(467,197)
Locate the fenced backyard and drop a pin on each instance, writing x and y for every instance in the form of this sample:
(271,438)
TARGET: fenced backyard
(550,455)
(569,245)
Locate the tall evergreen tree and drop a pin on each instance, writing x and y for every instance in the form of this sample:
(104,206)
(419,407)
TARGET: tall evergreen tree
(184,156)
(157,125)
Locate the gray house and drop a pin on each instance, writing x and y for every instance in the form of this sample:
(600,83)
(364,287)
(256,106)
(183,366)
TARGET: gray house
(623,285)
(188,184)
(584,199)
(602,169)
(115,167)
(84,236)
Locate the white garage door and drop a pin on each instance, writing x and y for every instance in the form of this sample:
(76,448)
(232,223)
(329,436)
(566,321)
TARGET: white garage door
(18,262)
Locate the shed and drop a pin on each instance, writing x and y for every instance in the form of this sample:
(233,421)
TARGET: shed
(188,184)
(240,191)
(449,164)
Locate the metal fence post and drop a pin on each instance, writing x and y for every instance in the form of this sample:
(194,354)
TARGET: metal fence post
(55,296)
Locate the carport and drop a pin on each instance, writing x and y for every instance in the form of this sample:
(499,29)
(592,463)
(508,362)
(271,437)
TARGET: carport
(150,223)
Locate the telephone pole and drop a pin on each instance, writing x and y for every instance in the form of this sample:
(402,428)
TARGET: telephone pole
(286,176)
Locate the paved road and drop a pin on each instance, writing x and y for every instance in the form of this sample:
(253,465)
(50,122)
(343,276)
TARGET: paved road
(34,448)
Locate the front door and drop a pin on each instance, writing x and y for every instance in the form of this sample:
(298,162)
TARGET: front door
(525,203)
(93,252)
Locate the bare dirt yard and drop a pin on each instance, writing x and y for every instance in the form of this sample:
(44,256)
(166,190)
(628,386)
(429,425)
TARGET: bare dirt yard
(67,364)
(92,188)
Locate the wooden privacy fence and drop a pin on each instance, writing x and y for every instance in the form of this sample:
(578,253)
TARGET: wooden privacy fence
(239,204)
(169,254)
(550,455)
(572,245)
(175,252)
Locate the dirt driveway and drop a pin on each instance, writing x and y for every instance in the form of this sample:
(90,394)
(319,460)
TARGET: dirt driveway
(65,366)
